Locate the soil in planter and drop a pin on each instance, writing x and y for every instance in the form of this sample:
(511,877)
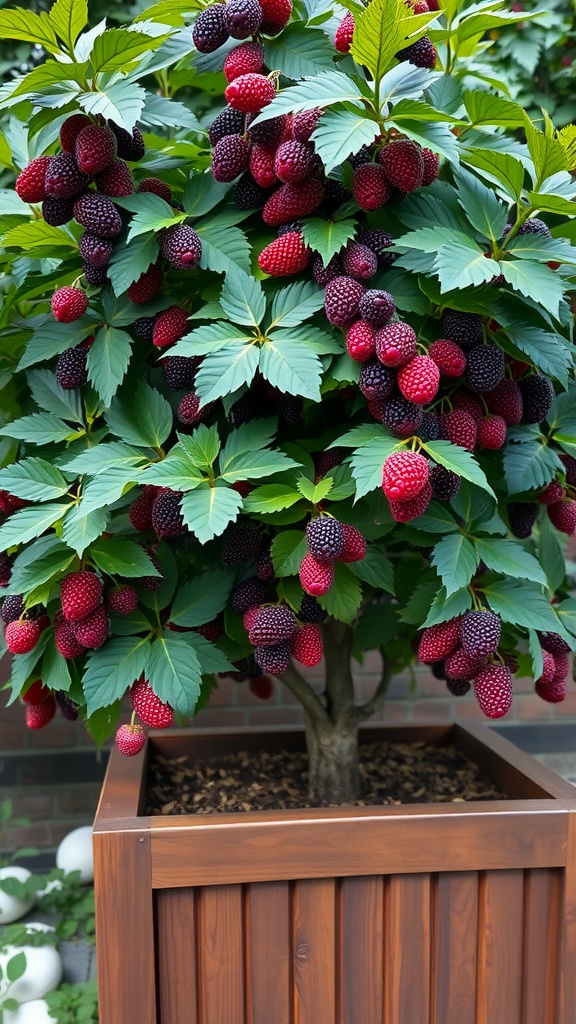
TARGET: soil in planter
(392,773)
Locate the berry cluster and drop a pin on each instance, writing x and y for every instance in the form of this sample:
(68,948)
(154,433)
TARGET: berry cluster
(42,704)
(421,53)
(328,541)
(277,634)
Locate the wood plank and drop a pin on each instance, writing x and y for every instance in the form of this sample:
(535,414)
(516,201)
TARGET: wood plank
(515,771)
(455,938)
(220,950)
(268,952)
(361,930)
(176,956)
(124,928)
(407,949)
(542,945)
(500,925)
(314,944)
(198,854)
(568,985)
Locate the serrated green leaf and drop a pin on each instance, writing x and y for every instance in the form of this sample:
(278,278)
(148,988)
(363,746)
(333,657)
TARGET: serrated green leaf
(106,488)
(327,237)
(55,673)
(112,669)
(175,471)
(456,562)
(523,604)
(299,50)
(207,511)
(27,523)
(296,303)
(143,419)
(485,107)
(222,247)
(203,193)
(530,465)
(69,17)
(290,366)
(551,554)
(314,492)
(34,480)
(108,359)
(209,338)
(39,428)
(174,672)
(42,567)
(271,498)
(50,397)
(28,26)
(459,461)
(535,653)
(509,558)
(202,446)
(375,568)
(226,370)
(79,530)
(345,595)
(461,266)
(242,298)
(119,556)
(481,205)
(437,519)
(130,260)
(153,214)
(502,168)
(116,48)
(122,102)
(315,91)
(381,30)
(536,281)
(287,551)
(341,132)
(202,599)
(444,608)
(104,456)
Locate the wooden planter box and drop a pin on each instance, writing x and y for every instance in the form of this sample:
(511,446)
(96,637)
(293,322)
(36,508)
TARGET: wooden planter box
(417,914)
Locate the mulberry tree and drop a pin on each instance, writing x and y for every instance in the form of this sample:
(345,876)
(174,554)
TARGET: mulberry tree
(286,365)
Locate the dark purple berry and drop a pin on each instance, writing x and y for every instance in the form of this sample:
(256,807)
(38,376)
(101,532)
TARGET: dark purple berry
(167,514)
(228,122)
(463,328)
(445,484)
(376,307)
(248,593)
(210,30)
(537,397)
(64,179)
(57,211)
(484,368)
(71,368)
(130,145)
(98,215)
(241,544)
(325,538)
(402,417)
(273,623)
(310,610)
(376,380)
(379,241)
(553,643)
(522,515)
(274,659)
(143,328)
(249,195)
(243,18)
(182,247)
(480,633)
(95,250)
(12,608)
(179,371)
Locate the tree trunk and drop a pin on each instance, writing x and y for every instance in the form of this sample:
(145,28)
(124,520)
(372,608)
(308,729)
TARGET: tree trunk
(333,764)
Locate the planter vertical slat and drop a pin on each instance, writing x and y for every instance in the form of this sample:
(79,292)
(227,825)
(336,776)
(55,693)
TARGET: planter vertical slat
(407,948)
(220,951)
(269,951)
(314,931)
(176,923)
(542,944)
(455,946)
(361,956)
(500,930)
(568,990)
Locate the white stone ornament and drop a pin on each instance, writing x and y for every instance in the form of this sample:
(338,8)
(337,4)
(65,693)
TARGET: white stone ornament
(43,973)
(75,853)
(12,908)
(34,1012)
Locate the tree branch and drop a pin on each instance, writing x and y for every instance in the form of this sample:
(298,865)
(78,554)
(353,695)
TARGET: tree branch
(305,694)
(366,710)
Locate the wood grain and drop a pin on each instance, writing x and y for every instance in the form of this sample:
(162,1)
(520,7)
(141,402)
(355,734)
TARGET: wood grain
(314,944)
(361,944)
(455,947)
(542,945)
(500,941)
(407,950)
(220,951)
(176,956)
(567,1012)
(268,968)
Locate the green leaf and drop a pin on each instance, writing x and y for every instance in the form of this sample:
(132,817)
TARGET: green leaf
(315,91)
(505,556)
(502,168)
(225,371)
(153,214)
(130,260)
(376,569)
(444,607)
(55,673)
(175,471)
(15,967)
(551,554)
(174,672)
(121,102)
(209,338)
(525,605)
(50,397)
(299,301)
(34,480)
(255,464)
(381,30)
(437,519)
(328,236)
(459,461)
(79,530)
(69,17)
(482,207)
(202,598)
(529,465)
(367,462)
(535,653)
(27,574)
(112,669)
(567,614)
(487,108)
(456,562)
(104,456)
(146,419)
(108,360)
(203,193)
(30,27)
(207,511)
(39,428)
(38,234)
(546,151)
(437,137)
(299,50)
(345,595)
(116,48)
(27,523)
(546,350)
(210,657)
(339,133)
(106,488)
(314,492)
(536,281)
(223,246)
(287,550)
(291,367)
(242,298)
(162,112)
(119,556)
(271,498)
(202,446)
(463,266)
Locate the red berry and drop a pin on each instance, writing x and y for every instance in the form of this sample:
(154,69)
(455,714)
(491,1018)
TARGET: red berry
(21,636)
(275,15)
(289,202)
(92,631)
(66,643)
(396,344)
(68,304)
(30,183)
(493,690)
(449,357)
(147,286)
(36,693)
(115,180)
(293,161)
(130,739)
(71,129)
(506,401)
(140,511)
(461,665)
(190,410)
(406,511)
(156,187)
(370,186)
(262,160)
(361,341)
(123,599)
(419,380)
(554,692)
(460,428)
(304,123)
(344,33)
(431,162)
(286,255)
(404,475)
(359,261)
(563,515)
(306,645)
(569,468)
(38,715)
(149,708)
(552,493)
(465,401)
(403,164)
(230,157)
(354,545)
(64,180)
(95,148)
(261,686)
(316,577)
(250,93)
(437,642)
(80,594)
(250,616)
(491,432)
(170,326)
(248,58)
(548,669)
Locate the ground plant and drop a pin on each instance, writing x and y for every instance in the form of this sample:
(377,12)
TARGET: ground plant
(286,365)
